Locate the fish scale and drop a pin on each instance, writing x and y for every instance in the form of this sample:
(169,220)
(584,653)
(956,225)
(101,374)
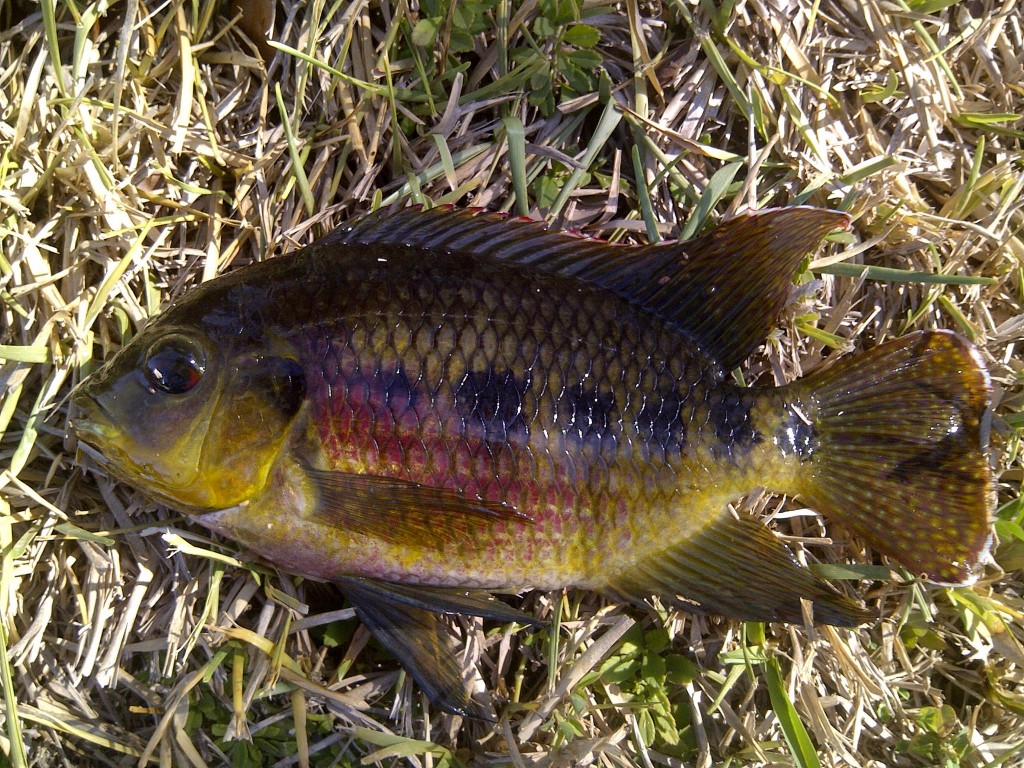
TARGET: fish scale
(427,405)
(528,419)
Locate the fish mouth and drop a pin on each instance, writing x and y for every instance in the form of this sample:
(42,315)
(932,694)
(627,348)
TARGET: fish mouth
(102,443)
(93,428)
(113,450)
(84,450)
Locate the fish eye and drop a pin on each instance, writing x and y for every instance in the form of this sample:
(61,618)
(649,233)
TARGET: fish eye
(174,365)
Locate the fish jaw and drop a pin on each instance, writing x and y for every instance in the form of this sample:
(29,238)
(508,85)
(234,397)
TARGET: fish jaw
(111,447)
(92,429)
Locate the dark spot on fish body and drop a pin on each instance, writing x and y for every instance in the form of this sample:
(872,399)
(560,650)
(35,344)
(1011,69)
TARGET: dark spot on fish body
(363,396)
(589,414)
(730,419)
(660,418)
(493,399)
(400,395)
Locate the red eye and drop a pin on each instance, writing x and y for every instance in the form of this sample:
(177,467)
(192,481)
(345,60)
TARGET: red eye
(175,365)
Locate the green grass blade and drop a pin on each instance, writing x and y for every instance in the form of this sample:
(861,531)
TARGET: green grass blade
(717,188)
(964,197)
(48,7)
(722,68)
(515,136)
(875,94)
(44,401)
(16,755)
(793,730)
(376,90)
(36,353)
(429,174)
(72,531)
(606,126)
(957,314)
(891,275)
(554,638)
(828,339)
(8,406)
(99,301)
(298,171)
(446,160)
(644,196)
(867,168)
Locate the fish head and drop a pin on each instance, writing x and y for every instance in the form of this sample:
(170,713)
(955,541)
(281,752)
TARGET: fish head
(195,419)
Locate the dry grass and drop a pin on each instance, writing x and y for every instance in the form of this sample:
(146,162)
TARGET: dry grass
(145,148)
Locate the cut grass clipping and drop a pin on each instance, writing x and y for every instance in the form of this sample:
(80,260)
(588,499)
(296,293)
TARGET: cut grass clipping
(146,148)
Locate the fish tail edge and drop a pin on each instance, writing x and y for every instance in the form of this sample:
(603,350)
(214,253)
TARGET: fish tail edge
(898,452)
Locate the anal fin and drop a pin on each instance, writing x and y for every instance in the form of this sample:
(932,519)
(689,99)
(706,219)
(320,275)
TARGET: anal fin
(443,600)
(738,568)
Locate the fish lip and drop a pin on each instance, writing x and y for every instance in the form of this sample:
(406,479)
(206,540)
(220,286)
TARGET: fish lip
(97,458)
(88,428)
(93,429)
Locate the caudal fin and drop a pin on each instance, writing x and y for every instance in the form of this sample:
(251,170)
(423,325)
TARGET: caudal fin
(895,446)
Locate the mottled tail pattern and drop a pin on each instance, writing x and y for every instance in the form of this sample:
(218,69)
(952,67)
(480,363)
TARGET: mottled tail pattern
(899,454)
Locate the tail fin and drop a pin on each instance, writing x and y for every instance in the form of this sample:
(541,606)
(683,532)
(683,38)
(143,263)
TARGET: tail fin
(898,451)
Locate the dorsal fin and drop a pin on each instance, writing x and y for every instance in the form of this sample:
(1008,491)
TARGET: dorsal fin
(725,289)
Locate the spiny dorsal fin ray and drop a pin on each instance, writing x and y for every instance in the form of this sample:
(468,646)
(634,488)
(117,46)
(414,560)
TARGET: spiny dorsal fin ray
(725,289)
(728,287)
(735,567)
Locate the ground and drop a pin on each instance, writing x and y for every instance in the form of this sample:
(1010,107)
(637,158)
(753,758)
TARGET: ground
(145,148)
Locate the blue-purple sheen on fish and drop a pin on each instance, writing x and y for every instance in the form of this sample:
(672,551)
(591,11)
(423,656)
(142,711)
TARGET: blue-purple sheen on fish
(425,406)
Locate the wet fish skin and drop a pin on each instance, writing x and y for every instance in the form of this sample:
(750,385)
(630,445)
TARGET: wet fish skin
(421,399)
(437,395)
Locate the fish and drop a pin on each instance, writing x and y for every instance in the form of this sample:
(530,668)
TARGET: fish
(429,407)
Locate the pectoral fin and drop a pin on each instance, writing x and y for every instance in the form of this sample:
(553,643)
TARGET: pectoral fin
(738,568)
(406,620)
(402,512)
